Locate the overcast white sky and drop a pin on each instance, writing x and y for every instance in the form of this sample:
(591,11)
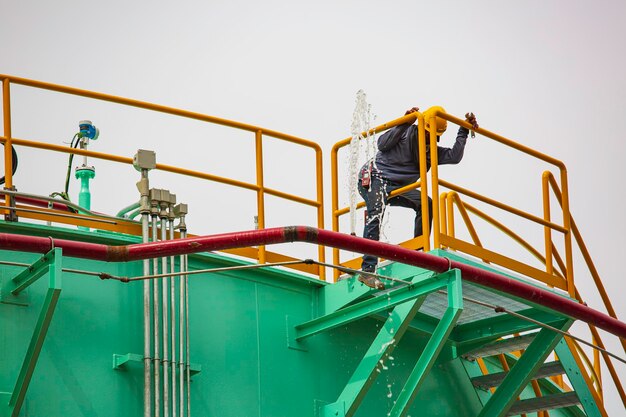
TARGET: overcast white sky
(549,74)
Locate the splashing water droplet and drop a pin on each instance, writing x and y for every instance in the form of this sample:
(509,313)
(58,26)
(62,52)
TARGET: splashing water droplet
(360,131)
(386,345)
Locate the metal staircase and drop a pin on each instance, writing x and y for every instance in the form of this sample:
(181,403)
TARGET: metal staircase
(549,396)
(452,314)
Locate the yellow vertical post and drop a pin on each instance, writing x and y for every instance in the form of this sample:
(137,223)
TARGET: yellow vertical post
(450,205)
(421,139)
(334,205)
(547,232)
(442,213)
(260,200)
(569,262)
(6,117)
(434,172)
(321,250)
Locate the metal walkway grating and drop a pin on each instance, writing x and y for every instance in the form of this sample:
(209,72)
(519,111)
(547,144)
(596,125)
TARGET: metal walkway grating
(436,304)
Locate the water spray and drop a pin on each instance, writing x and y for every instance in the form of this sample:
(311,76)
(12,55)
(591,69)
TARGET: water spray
(360,130)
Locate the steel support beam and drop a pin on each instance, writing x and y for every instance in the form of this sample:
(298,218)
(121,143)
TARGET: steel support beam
(385,342)
(50,263)
(433,347)
(588,401)
(11,290)
(522,372)
(370,306)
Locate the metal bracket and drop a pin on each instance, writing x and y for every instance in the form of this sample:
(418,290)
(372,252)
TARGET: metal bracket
(50,263)
(11,214)
(318,407)
(121,361)
(12,291)
(292,341)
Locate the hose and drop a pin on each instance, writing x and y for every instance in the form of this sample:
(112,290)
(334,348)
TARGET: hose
(64,194)
(14,161)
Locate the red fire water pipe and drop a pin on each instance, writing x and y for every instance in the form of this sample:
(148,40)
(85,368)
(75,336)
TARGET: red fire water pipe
(323,237)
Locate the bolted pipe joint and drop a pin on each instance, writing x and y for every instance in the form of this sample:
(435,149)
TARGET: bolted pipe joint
(155,198)
(170,208)
(180,211)
(164,203)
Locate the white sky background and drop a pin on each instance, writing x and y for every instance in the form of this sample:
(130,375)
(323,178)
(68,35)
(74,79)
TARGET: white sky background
(549,74)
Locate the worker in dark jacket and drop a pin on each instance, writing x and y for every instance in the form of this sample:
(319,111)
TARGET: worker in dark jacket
(397,164)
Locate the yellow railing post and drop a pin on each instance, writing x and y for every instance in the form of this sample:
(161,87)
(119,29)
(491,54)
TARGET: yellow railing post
(434,172)
(450,205)
(587,257)
(334,185)
(6,117)
(569,261)
(442,213)
(421,135)
(260,196)
(319,169)
(547,232)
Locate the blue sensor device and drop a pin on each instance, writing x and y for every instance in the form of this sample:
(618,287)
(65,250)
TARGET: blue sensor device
(88,130)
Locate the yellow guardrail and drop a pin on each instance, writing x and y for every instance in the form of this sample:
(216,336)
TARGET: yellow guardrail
(440,238)
(444,235)
(259,187)
(592,371)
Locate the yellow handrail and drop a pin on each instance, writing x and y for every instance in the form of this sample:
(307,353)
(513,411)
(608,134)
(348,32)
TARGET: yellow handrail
(503,229)
(538,155)
(502,206)
(259,133)
(449,238)
(439,214)
(548,178)
(452,197)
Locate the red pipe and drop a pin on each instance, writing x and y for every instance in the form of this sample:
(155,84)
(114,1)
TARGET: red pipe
(323,237)
(39,203)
